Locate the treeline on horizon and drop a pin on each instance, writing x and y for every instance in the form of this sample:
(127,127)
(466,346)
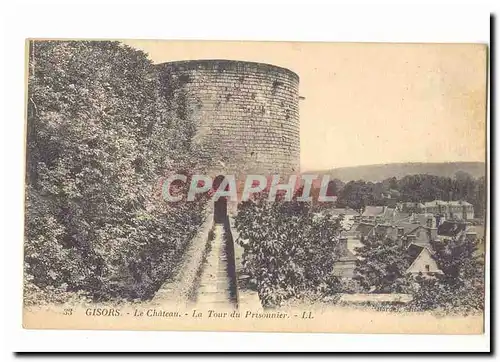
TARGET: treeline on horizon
(411,188)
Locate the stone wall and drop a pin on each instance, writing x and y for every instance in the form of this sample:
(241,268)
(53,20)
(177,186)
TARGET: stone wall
(247,114)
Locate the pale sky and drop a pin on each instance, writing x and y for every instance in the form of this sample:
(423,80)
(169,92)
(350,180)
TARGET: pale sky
(370,103)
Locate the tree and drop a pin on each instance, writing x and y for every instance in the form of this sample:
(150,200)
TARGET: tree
(357,195)
(479,200)
(461,286)
(99,137)
(288,250)
(381,265)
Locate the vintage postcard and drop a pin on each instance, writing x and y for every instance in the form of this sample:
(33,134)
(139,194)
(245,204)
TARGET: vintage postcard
(256,186)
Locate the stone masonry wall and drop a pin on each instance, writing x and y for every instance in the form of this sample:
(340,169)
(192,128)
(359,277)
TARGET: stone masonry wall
(247,114)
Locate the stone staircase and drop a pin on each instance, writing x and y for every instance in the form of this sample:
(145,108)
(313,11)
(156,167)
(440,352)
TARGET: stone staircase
(218,288)
(211,272)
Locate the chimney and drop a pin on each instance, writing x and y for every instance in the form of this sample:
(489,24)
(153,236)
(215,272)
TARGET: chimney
(438,220)
(401,232)
(429,222)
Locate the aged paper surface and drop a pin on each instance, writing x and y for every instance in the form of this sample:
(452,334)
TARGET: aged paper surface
(255,186)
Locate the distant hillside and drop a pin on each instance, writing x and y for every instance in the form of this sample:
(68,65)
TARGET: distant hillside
(399,170)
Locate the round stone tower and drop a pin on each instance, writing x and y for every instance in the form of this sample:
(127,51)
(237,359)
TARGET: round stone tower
(246,114)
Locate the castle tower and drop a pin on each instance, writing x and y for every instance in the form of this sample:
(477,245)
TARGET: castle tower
(246,114)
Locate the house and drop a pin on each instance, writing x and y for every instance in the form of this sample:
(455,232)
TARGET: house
(383,230)
(411,207)
(460,210)
(349,216)
(400,215)
(416,239)
(404,227)
(454,229)
(419,244)
(424,219)
(421,235)
(347,212)
(451,229)
(421,260)
(345,265)
(420,238)
(370,213)
(364,229)
(398,230)
(378,214)
(353,240)
(435,207)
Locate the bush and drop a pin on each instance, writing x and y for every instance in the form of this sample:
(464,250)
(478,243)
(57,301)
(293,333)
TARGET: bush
(288,251)
(448,295)
(381,265)
(460,288)
(100,135)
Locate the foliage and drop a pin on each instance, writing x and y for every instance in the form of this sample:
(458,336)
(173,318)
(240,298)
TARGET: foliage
(448,295)
(357,195)
(345,285)
(415,188)
(461,286)
(381,265)
(288,250)
(35,295)
(100,135)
